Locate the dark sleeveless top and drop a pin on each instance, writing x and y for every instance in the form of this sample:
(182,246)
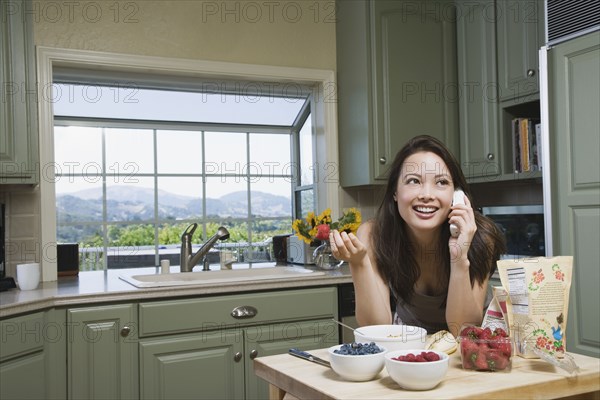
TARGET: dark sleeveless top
(426,311)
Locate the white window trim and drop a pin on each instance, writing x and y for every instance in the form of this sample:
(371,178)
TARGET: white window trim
(325,117)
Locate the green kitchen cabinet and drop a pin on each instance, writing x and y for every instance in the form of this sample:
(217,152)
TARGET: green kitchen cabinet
(193,366)
(498,43)
(396,79)
(268,340)
(520,34)
(32,356)
(102,352)
(24,377)
(219,364)
(478,100)
(574,126)
(204,348)
(18,106)
(519,28)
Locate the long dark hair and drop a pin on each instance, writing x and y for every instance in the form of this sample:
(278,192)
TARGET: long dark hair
(396,255)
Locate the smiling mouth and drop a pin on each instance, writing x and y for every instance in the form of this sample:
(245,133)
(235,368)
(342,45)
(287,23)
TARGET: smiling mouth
(425,210)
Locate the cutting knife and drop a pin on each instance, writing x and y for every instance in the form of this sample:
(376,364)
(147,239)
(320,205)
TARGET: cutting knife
(309,357)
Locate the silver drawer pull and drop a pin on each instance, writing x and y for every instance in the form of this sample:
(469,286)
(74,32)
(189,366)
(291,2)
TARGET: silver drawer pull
(242,312)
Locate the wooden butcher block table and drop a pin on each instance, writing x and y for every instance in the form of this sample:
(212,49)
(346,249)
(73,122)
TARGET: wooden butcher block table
(528,379)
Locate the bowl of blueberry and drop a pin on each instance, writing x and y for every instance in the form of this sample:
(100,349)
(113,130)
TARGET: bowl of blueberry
(357,361)
(416,369)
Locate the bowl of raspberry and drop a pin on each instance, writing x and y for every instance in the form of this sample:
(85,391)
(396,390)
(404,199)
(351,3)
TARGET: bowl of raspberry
(416,369)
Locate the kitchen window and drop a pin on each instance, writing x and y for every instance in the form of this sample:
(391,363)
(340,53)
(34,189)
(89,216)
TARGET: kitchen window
(116,69)
(135,166)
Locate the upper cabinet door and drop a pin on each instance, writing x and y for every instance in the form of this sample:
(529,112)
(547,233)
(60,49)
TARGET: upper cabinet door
(18,106)
(396,66)
(414,76)
(478,98)
(519,39)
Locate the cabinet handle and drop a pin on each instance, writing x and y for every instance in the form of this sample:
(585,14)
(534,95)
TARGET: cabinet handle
(242,312)
(490,156)
(125,331)
(531,72)
(382,160)
(253,354)
(237,357)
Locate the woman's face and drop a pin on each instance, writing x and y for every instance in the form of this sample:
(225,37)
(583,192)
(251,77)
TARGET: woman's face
(424,192)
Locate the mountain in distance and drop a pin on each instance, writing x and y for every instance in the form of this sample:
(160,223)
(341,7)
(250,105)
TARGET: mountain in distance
(134,194)
(128,203)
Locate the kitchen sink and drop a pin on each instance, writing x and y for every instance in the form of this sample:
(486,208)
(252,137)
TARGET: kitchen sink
(219,276)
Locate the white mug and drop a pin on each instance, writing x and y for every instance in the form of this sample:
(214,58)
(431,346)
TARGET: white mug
(28,276)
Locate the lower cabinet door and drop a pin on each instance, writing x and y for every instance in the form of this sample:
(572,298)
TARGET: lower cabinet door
(204,365)
(102,352)
(267,340)
(23,378)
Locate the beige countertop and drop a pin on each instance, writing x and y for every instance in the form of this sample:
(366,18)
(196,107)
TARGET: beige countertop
(106,286)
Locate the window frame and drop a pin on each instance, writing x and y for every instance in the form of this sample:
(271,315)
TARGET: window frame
(48,59)
(303,116)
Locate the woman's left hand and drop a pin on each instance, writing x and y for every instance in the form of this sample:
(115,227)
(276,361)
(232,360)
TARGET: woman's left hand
(463,217)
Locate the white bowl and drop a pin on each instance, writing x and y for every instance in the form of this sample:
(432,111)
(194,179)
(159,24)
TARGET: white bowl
(356,368)
(392,337)
(416,375)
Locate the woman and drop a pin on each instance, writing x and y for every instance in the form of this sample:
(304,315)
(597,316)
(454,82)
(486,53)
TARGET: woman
(437,281)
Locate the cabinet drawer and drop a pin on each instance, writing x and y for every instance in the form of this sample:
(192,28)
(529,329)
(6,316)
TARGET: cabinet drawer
(21,335)
(212,313)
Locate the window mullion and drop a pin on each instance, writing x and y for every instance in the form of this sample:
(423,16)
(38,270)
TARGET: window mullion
(156,240)
(248,188)
(104,204)
(203,152)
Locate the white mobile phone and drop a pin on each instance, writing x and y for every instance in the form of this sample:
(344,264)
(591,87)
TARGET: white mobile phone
(458,198)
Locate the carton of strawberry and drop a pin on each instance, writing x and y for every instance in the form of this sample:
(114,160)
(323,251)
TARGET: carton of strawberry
(484,349)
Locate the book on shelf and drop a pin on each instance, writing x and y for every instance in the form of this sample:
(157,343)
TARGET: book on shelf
(538,142)
(526,138)
(524,144)
(516,145)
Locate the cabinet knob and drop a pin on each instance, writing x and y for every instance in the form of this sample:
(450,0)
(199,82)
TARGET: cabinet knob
(242,312)
(490,156)
(125,331)
(382,160)
(531,72)
(237,357)
(253,354)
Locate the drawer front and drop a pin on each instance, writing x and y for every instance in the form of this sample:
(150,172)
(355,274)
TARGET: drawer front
(213,313)
(21,335)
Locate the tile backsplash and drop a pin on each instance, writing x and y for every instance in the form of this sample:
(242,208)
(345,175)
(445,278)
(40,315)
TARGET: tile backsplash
(23,241)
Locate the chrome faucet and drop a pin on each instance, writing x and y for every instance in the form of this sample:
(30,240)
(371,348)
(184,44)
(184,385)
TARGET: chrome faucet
(187,260)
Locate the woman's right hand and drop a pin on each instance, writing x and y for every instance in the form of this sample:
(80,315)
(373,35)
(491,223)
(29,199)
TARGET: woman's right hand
(371,291)
(347,247)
